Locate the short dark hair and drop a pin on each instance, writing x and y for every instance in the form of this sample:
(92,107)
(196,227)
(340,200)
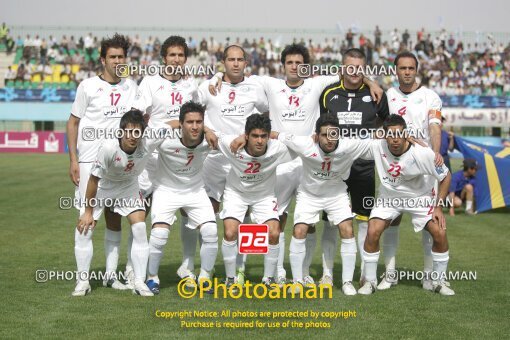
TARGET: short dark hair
(406,54)
(117,41)
(225,51)
(257,121)
(354,53)
(394,120)
(191,107)
(133,117)
(174,40)
(296,49)
(327,119)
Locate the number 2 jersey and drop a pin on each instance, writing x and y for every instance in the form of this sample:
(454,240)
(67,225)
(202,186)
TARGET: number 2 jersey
(99,105)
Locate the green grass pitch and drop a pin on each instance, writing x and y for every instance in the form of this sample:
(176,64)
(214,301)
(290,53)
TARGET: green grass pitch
(36,234)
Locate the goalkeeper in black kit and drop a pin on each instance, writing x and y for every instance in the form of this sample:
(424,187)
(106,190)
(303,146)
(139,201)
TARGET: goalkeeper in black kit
(359,116)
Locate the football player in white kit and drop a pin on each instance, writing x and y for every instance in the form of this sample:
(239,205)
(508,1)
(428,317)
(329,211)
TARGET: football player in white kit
(226,113)
(294,108)
(161,97)
(99,104)
(113,182)
(404,171)
(250,184)
(179,185)
(421,109)
(327,164)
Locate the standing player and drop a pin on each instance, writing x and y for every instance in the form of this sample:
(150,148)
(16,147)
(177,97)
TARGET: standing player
(161,97)
(326,165)
(227,113)
(99,104)
(293,108)
(250,184)
(421,109)
(358,116)
(114,177)
(179,185)
(402,168)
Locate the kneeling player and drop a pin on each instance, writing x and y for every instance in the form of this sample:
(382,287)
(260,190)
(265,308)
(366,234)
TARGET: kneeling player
(114,178)
(326,165)
(463,185)
(179,185)
(402,168)
(251,184)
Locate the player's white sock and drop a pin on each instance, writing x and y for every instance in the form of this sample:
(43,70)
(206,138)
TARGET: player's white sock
(270,260)
(129,263)
(83,251)
(157,242)
(209,249)
(111,250)
(469,205)
(280,271)
(189,239)
(241,258)
(329,242)
(348,251)
(140,250)
(311,242)
(229,251)
(427,242)
(362,235)
(297,250)
(439,265)
(371,260)
(241,261)
(389,246)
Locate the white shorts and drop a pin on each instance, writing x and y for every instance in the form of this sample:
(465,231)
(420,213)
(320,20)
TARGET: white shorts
(121,201)
(81,189)
(309,207)
(420,216)
(166,202)
(236,204)
(146,178)
(288,177)
(214,174)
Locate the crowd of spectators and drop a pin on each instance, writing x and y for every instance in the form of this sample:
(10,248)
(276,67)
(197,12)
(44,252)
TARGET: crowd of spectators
(447,65)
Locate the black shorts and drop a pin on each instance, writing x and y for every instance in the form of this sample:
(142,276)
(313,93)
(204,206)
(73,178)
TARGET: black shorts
(360,184)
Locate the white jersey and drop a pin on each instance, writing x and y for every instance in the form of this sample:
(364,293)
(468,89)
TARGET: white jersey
(100,104)
(403,176)
(294,110)
(324,173)
(415,108)
(119,169)
(253,175)
(162,98)
(180,167)
(227,111)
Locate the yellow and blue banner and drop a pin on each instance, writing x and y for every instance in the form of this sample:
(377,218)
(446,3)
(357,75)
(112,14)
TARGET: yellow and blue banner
(492,189)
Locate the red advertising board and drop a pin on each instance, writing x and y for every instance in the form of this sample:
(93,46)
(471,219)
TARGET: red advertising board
(34,142)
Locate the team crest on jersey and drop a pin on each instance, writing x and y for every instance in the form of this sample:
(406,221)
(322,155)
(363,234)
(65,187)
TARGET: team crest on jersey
(306,90)
(418,101)
(367,99)
(244,89)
